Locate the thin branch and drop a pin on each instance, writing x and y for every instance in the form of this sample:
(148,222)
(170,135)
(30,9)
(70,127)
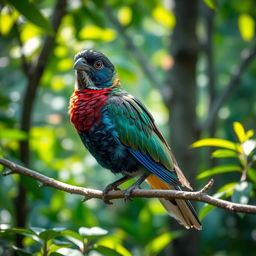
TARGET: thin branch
(247,57)
(146,193)
(144,64)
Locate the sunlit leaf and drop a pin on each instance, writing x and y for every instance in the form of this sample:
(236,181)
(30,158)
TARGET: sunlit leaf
(32,13)
(115,244)
(8,18)
(96,33)
(12,134)
(155,246)
(223,153)
(106,251)
(50,234)
(29,31)
(248,146)
(249,134)
(246,26)
(74,237)
(57,83)
(224,192)
(211,4)
(164,16)
(214,142)
(68,251)
(65,64)
(92,232)
(218,170)
(125,15)
(240,132)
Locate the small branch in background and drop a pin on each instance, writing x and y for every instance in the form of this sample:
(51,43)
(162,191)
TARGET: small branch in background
(146,193)
(247,57)
(25,64)
(34,74)
(144,63)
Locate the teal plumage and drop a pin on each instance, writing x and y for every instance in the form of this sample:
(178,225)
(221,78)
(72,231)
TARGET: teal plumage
(121,134)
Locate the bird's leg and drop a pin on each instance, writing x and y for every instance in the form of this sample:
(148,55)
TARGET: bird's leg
(114,186)
(136,185)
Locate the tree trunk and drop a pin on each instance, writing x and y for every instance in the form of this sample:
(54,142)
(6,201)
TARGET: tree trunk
(183,121)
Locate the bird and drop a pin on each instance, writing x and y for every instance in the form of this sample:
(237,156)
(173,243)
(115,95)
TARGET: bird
(121,134)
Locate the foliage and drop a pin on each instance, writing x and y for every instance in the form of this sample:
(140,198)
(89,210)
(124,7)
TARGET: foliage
(61,241)
(244,153)
(141,226)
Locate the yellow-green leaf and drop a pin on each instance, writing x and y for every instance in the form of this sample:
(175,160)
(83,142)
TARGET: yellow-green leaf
(125,15)
(218,170)
(223,153)
(7,18)
(210,3)
(164,16)
(246,26)
(249,134)
(240,132)
(32,13)
(217,143)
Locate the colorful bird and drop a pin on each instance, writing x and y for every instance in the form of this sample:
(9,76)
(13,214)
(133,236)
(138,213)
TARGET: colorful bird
(121,134)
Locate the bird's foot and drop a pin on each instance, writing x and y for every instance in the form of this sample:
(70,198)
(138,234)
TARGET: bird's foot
(128,192)
(107,189)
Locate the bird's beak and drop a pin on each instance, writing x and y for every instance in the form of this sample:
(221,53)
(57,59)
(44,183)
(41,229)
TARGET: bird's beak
(80,64)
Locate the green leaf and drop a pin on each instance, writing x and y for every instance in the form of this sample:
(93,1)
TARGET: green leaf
(49,234)
(32,13)
(58,245)
(25,232)
(214,142)
(246,25)
(21,252)
(219,169)
(224,192)
(73,237)
(106,251)
(13,134)
(240,132)
(155,246)
(223,153)
(67,251)
(211,4)
(93,232)
(252,174)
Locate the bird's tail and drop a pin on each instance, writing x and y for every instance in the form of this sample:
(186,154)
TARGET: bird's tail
(181,210)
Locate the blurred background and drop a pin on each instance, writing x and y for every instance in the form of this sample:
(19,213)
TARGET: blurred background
(191,62)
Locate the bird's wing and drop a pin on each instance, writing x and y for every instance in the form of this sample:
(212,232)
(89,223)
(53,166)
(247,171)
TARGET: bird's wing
(137,130)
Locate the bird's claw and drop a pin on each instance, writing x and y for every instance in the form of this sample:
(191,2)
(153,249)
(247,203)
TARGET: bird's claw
(128,192)
(105,192)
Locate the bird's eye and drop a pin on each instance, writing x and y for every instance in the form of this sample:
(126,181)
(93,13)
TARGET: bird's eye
(98,64)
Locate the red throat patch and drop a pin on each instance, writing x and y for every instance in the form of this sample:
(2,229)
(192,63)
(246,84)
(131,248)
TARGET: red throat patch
(85,107)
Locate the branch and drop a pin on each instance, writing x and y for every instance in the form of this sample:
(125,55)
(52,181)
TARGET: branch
(147,193)
(246,58)
(144,64)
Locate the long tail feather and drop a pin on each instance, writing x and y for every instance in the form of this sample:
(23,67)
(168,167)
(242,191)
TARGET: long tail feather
(181,210)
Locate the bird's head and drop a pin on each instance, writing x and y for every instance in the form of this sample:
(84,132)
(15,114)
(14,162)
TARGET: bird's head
(94,71)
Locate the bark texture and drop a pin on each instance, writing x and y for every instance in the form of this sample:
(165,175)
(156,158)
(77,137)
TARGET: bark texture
(183,121)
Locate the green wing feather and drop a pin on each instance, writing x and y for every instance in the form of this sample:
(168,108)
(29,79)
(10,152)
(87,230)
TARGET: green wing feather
(136,129)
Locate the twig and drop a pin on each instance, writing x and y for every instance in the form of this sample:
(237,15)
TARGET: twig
(144,64)
(146,193)
(246,57)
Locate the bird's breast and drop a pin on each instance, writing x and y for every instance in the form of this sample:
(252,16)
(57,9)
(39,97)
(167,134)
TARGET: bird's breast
(86,108)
